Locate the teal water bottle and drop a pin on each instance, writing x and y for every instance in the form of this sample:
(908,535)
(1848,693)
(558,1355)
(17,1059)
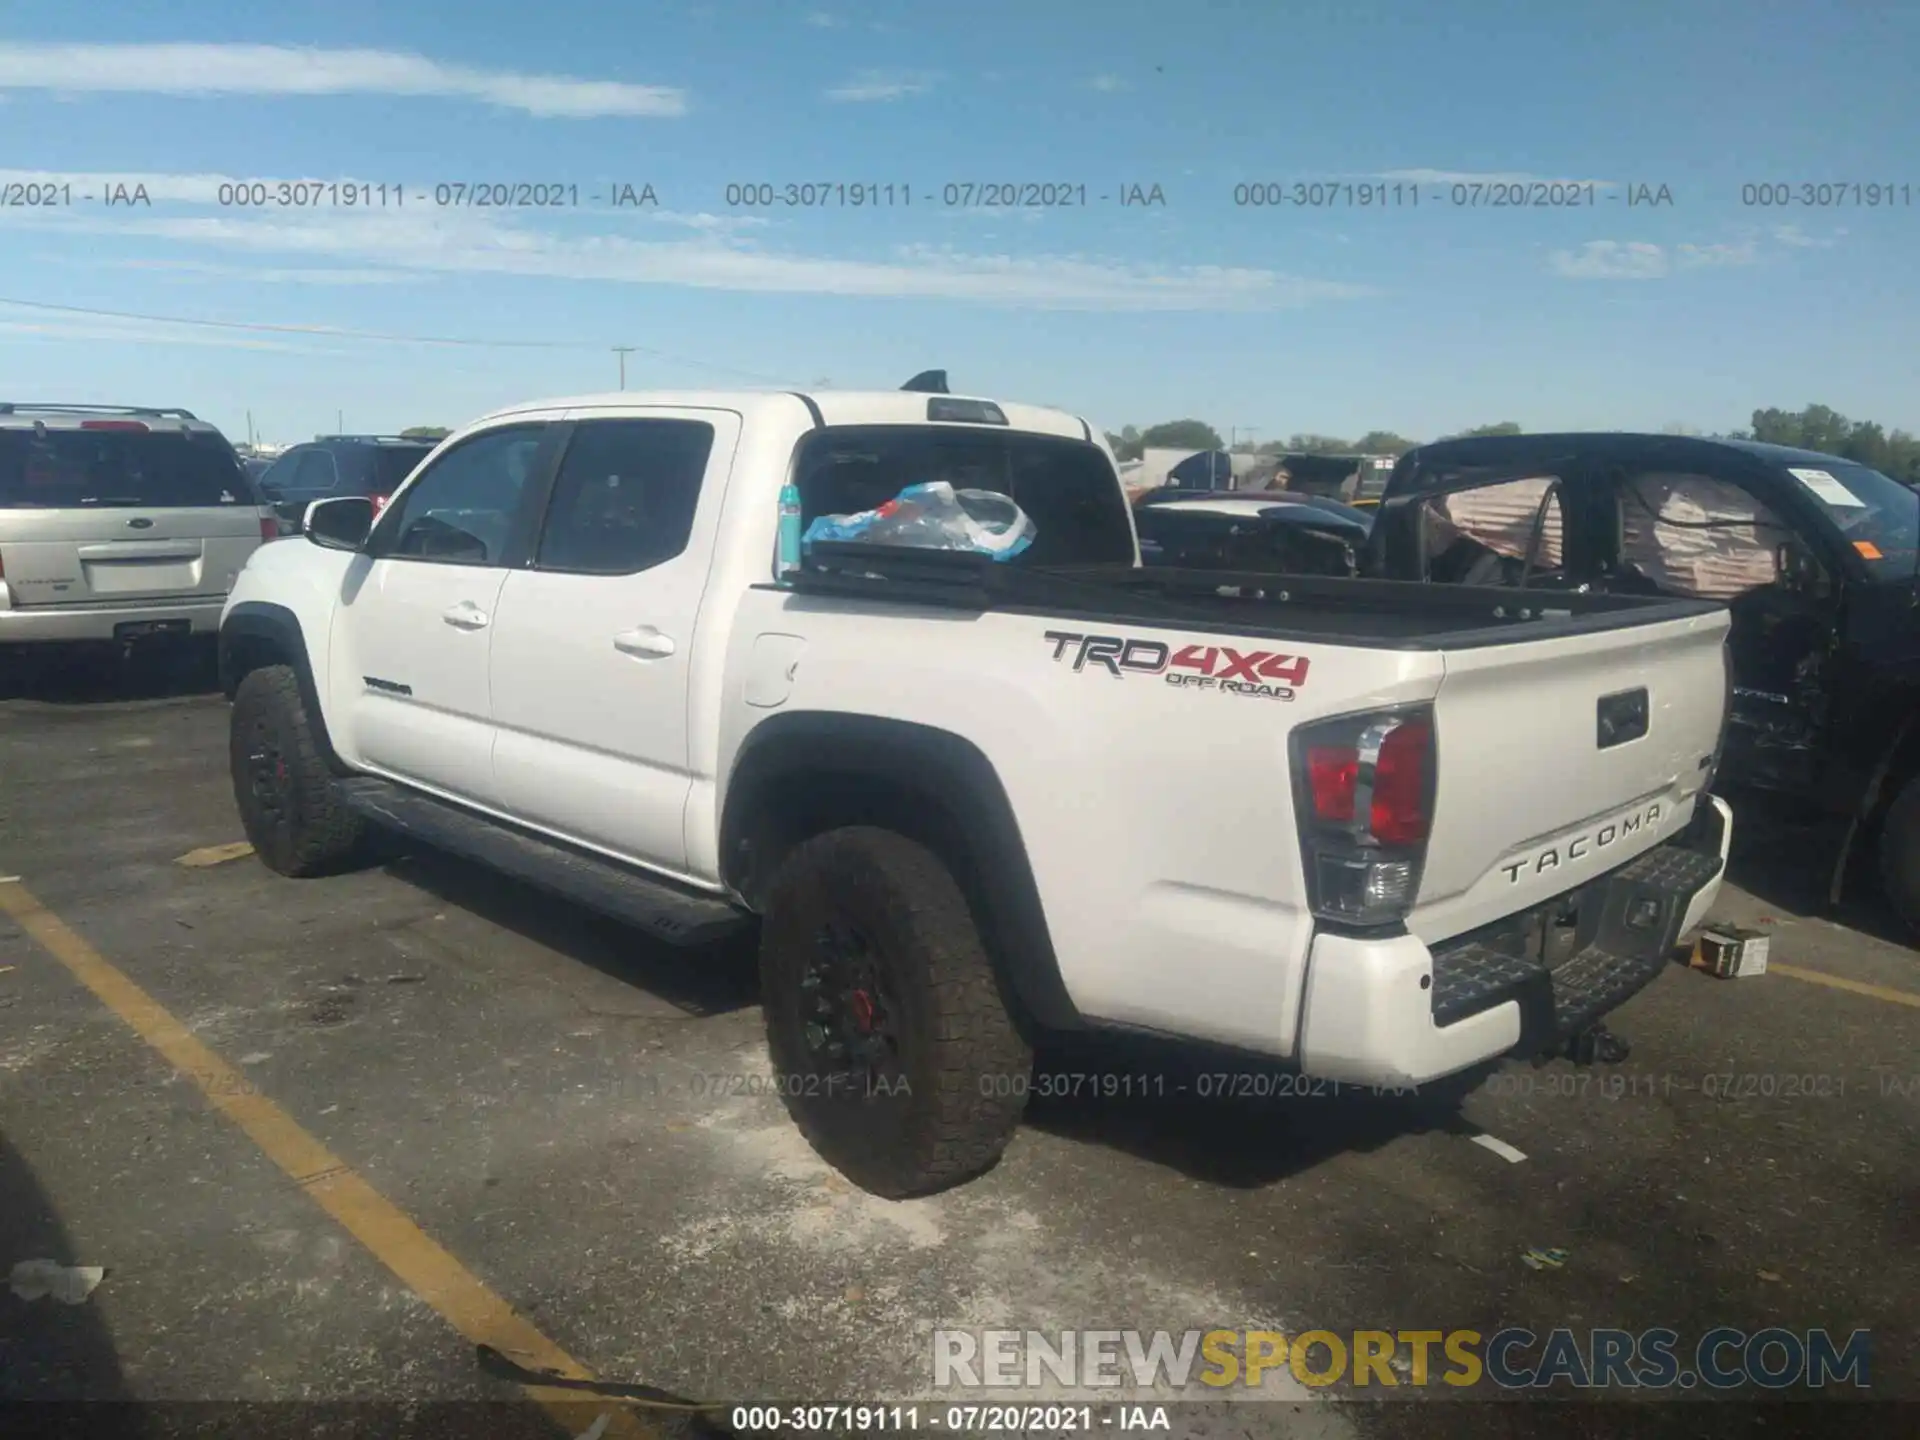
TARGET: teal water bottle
(788,562)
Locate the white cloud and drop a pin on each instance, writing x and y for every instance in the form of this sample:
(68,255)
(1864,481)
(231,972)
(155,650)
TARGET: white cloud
(1694,257)
(324,275)
(468,242)
(881,85)
(821,20)
(1795,238)
(1643,260)
(1611,260)
(200,70)
(1107,84)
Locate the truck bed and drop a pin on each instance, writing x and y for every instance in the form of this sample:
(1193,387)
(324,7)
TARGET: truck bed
(1373,614)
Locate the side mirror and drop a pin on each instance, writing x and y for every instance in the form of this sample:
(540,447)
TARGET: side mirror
(342,524)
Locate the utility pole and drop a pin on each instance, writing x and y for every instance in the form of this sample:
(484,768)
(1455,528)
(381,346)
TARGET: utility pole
(249,429)
(623,351)
(339,422)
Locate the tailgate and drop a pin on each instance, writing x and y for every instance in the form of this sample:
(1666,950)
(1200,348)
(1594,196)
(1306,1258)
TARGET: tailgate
(1560,760)
(68,557)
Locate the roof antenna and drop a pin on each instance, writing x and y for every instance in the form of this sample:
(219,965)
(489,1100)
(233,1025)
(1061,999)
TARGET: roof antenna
(929,382)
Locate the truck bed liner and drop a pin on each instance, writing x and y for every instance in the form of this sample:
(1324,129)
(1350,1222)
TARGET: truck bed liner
(1374,614)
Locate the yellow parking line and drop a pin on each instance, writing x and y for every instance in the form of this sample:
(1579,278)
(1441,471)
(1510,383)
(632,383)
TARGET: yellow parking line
(1857,987)
(461,1298)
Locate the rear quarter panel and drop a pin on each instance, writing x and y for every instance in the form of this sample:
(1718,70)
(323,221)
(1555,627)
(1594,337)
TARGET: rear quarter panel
(1157,818)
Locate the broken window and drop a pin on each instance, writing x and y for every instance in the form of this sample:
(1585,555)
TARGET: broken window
(1696,536)
(1483,536)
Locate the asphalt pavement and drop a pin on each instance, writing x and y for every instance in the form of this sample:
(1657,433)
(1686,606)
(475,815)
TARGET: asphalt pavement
(330,1138)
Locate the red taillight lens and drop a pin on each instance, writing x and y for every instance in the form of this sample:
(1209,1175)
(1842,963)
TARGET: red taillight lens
(379,504)
(269,527)
(1363,790)
(1332,771)
(113,425)
(1400,785)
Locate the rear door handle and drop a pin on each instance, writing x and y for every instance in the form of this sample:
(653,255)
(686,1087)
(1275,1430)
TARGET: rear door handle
(465,616)
(643,642)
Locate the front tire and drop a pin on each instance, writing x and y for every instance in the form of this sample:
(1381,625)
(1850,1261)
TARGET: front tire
(288,806)
(1899,845)
(890,1042)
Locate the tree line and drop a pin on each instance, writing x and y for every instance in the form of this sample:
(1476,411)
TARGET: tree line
(1817,427)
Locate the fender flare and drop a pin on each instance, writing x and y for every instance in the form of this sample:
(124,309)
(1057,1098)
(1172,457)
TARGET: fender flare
(254,627)
(801,772)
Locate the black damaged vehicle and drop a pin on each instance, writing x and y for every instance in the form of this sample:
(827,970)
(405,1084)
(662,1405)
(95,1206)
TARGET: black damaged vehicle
(1814,555)
(1258,530)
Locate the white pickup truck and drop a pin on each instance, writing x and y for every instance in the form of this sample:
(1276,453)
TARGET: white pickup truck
(1379,832)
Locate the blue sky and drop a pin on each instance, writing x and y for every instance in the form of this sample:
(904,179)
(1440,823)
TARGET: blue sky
(1418,318)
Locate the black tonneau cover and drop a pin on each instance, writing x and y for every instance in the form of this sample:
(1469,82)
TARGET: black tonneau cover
(1372,614)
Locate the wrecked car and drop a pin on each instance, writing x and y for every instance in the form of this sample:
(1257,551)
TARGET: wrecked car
(1275,531)
(1813,555)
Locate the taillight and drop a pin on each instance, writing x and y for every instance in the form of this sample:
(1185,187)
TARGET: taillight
(379,504)
(114,425)
(269,525)
(1364,786)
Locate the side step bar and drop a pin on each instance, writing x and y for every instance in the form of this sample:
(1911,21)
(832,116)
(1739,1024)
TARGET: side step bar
(661,908)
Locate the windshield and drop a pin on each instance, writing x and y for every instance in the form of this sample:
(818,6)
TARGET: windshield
(1877,516)
(1067,487)
(68,469)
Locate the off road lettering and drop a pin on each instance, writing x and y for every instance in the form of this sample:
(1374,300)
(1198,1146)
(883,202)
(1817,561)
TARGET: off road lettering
(1205,667)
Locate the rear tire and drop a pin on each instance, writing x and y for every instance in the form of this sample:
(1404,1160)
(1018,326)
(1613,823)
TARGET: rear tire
(288,805)
(891,1045)
(1899,845)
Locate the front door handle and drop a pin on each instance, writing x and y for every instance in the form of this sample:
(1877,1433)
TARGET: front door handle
(465,616)
(643,642)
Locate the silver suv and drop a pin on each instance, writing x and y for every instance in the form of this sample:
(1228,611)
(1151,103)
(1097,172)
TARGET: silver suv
(119,524)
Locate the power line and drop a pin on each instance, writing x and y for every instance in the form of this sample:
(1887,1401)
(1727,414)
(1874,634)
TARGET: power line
(337,333)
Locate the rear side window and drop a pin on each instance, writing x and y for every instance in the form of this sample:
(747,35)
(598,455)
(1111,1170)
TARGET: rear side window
(1067,487)
(84,469)
(315,473)
(393,463)
(625,495)
(1484,535)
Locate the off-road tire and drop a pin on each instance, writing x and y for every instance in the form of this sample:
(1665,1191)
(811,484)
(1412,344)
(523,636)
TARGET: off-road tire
(1899,846)
(966,1064)
(312,832)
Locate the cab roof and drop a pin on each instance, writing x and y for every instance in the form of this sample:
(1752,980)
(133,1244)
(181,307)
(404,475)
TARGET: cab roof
(819,408)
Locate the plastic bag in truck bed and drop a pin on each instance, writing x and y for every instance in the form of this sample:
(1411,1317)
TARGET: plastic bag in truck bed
(935,517)
(1691,535)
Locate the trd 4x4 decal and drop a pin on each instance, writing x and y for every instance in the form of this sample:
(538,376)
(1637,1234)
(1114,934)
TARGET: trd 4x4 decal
(1198,667)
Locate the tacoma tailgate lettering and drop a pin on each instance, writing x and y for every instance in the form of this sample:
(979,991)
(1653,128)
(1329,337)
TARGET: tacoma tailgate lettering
(1577,848)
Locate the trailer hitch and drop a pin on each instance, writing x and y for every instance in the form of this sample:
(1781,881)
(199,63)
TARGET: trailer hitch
(1597,1045)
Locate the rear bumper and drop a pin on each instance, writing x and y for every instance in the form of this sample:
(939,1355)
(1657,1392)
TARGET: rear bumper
(71,624)
(1391,1012)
